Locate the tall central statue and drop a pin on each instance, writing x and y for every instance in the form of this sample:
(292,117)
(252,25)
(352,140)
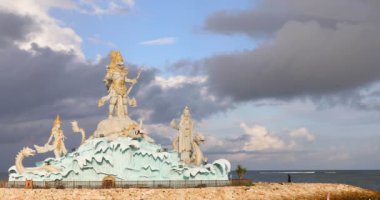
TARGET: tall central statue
(115,81)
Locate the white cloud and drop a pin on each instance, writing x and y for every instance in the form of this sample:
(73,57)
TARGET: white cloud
(302,133)
(162,130)
(160,41)
(51,33)
(101,7)
(178,81)
(214,144)
(259,138)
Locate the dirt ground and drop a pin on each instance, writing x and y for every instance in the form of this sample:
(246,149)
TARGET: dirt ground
(265,191)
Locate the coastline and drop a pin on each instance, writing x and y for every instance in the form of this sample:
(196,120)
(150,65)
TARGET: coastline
(257,191)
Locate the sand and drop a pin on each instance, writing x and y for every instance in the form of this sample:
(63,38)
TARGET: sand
(258,191)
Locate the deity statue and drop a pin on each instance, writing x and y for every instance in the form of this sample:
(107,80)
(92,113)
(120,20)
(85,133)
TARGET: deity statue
(58,144)
(115,81)
(185,139)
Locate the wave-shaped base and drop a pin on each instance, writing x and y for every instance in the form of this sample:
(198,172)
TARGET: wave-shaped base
(125,159)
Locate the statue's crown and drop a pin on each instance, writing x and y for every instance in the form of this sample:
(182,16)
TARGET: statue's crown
(186,111)
(116,57)
(57,120)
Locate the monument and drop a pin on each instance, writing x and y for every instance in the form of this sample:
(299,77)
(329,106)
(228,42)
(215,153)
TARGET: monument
(120,148)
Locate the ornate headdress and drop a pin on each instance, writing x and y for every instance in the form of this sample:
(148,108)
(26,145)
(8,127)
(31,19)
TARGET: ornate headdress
(116,57)
(57,121)
(186,110)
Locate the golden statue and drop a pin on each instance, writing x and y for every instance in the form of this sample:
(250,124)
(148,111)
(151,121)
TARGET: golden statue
(115,81)
(58,144)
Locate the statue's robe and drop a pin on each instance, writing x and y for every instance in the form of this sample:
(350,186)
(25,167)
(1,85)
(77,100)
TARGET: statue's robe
(185,139)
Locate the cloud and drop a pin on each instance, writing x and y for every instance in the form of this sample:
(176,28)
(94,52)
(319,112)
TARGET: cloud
(258,139)
(160,41)
(302,133)
(99,7)
(178,81)
(303,59)
(14,28)
(367,98)
(49,32)
(307,49)
(267,17)
(165,98)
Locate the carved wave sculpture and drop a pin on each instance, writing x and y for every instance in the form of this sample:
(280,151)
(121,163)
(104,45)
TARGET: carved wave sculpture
(120,147)
(125,159)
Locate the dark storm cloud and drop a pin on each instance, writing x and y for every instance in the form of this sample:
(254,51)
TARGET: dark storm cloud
(363,100)
(303,59)
(167,104)
(269,16)
(29,81)
(254,23)
(42,79)
(304,54)
(14,27)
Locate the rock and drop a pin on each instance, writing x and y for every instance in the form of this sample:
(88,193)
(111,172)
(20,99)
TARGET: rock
(112,126)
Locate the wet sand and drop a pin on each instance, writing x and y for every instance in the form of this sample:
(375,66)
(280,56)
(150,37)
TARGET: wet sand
(258,191)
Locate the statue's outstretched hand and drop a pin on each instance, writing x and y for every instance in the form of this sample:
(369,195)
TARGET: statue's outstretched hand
(100,102)
(174,124)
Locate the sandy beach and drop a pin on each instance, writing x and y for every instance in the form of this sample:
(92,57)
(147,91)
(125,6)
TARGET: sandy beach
(258,191)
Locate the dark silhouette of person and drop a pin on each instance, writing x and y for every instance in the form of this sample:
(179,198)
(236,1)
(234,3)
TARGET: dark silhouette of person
(289,178)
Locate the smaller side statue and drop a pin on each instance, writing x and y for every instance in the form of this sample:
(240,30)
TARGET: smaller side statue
(58,145)
(185,144)
(197,155)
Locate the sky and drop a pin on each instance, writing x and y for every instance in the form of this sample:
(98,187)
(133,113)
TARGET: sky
(290,84)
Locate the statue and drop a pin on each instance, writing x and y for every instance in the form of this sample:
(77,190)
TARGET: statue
(185,138)
(120,147)
(115,79)
(27,152)
(197,155)
(58,144)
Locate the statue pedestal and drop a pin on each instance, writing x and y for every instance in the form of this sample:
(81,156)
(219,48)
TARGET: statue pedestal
(112,126)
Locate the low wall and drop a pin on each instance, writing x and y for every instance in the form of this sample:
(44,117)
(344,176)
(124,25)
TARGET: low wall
(125,184)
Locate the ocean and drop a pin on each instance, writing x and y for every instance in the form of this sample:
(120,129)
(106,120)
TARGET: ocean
(369,179)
